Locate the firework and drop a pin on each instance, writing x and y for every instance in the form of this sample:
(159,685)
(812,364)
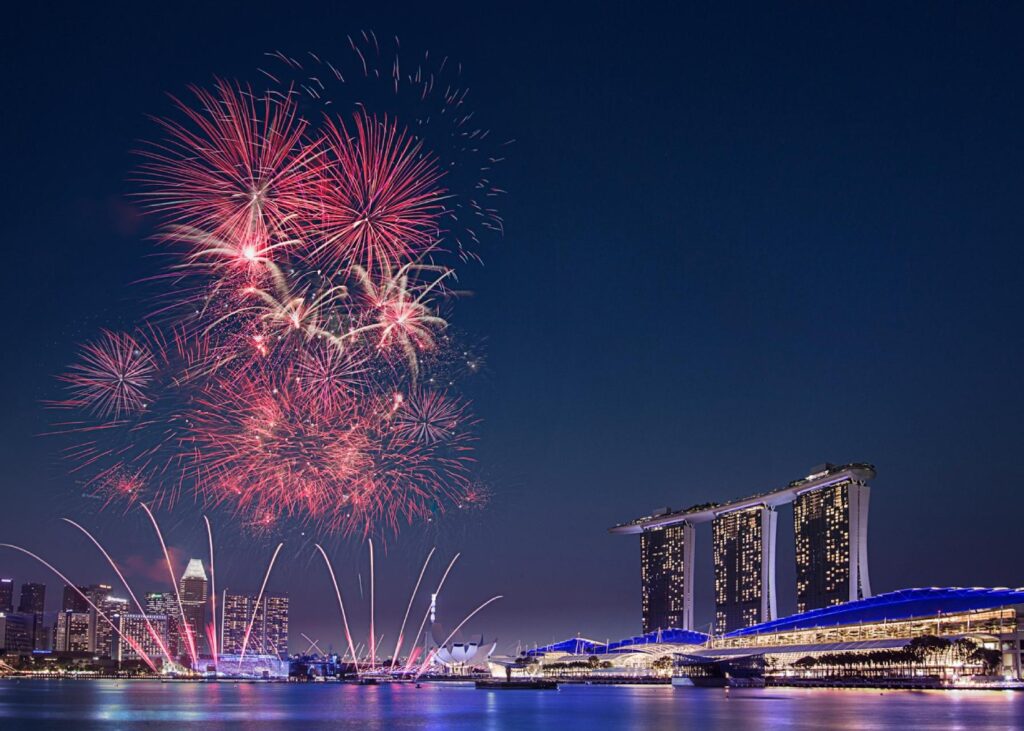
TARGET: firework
(292,372)
(238,166)
(112,377)
(380,196)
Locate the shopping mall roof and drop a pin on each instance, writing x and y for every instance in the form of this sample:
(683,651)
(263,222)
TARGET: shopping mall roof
(894,605)
(582,646)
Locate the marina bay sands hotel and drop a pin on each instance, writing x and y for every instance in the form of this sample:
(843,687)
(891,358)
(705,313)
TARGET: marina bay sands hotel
(830,516)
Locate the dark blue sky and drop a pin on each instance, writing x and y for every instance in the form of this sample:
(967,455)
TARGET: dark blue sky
(740,241)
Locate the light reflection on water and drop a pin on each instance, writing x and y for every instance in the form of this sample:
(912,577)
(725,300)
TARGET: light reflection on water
(86,704)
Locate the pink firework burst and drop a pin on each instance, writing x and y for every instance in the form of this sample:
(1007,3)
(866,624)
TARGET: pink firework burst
(429,417)
(112,376)
(331,374)
(380,195)
(265,446)
(238,168)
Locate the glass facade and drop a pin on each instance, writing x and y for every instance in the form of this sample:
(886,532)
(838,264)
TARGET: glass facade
(831,545)
(666,575)
(269,619)
(137,629)
(744,552)
(192,589)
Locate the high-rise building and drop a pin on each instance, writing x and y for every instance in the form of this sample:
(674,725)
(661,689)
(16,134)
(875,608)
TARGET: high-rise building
(744,551)
(73,631)
(831,525)
(269,621)
(33,601)
(103,633)
(666,576)
(276,624)
(16,633)
(830,512)
(140,632)
(72,600)
(33,598)
(6,595)
(192,589)
(164,604)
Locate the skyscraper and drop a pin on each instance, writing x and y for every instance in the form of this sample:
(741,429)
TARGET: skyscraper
(136,628)
(73,600)
(15,633)
(192,589)
(164,604)
(830,511)
(104,635)
(102,631)
(831,525)
(744,549)
(73,631)
(666,576)
(269,621)
(6,595)
(33,601)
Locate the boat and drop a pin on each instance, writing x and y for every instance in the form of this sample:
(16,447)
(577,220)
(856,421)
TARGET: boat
(744,671)
(532,684)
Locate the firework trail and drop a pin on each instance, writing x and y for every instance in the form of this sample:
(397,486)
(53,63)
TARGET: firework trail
(341,605)
(373,636)
(426,614)
(408,608)
(99,612)
(212,630)
(145,615)
(185,627)
(281,378)
(259,598)
(451,634)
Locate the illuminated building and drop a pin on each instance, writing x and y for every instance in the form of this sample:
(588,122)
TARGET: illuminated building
(192,589)
(268,618)
(6,596)
(831,525)
(164,604)
(666,573)
(101,641)
(16,633)
(33,601)
(136,628)
(73,631)
(830,513)
(744,550)
(992,619)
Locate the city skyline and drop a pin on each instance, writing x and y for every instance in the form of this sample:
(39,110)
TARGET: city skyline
(776,250)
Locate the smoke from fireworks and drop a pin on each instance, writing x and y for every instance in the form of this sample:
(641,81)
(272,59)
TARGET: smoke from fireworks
(288,375)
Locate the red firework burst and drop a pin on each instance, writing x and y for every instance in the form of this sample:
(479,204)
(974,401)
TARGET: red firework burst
(380,195)
(264,445)
(268,448)
(113,376)
(429,417)
(238,169)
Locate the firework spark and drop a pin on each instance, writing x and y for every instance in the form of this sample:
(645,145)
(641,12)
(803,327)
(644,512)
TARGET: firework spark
(279,377)
(238,166)
(113,376)
(381,198)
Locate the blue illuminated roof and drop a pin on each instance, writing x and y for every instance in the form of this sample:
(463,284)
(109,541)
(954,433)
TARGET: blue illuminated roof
(895,605)
(674,636)
(581,646)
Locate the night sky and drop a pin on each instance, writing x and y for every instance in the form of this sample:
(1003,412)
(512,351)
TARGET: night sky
(739,242)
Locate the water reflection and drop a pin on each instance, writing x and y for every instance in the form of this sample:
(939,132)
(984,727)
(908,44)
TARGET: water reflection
(127,704)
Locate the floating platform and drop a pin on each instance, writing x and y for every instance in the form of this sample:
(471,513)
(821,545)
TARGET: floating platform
(516,685)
